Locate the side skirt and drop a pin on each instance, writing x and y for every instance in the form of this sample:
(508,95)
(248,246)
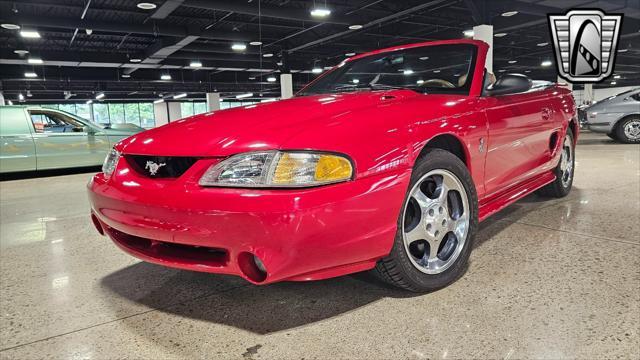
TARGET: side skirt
(498,202)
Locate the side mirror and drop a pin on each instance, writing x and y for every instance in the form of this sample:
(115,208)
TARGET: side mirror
(509,84)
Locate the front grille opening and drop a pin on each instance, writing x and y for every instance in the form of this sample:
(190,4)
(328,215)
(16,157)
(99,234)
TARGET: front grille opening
(160,166)
(178,253)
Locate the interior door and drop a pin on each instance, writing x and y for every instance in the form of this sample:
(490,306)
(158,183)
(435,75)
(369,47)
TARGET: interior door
(17,150)
(63,142)
(520,127)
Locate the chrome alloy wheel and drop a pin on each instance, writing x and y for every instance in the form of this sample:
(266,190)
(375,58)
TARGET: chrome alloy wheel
(566,162)
(632,129)
(435,223)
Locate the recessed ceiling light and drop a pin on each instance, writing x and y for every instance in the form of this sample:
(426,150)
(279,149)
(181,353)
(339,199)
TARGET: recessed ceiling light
(10,26)
(34,61)
(316,70)
(509,13)
(355,27)
(527,71)
(267,55)
(436,71)
(238,47)
(255,43)
(30,74)
(21,52)
(613,83)
(499,35)
(30,34)
(271,79)
(146,6)
(468,33)
(407,72)
(195,64)
(165,77)
(355,81)
(616,76)
(424,58)
(513,61)
(29,94)
(135,60)
(420,82)
(350,54)
(501,70)
(543,44)
(546,63)
(126,76)
(319,12)
(20,97)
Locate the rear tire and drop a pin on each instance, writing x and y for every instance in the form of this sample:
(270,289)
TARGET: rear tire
(613,136)
(628,130)
(561,186)
(436,226)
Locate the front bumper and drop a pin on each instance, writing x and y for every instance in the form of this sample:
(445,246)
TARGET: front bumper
(298,234)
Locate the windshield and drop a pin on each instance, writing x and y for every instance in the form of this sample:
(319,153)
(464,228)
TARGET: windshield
(441,69)
(82,120)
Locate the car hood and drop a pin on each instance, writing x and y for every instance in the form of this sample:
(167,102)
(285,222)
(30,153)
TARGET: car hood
(256,127)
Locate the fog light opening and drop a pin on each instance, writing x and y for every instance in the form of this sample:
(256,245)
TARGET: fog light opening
(252,267)
(97,224)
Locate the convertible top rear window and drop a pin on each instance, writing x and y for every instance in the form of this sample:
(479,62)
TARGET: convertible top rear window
(441,69)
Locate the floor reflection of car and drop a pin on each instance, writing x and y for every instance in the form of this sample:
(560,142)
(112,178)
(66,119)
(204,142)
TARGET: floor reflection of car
(33,138)
(617,116)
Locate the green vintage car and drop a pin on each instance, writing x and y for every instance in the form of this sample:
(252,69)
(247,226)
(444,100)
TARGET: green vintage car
(34,138)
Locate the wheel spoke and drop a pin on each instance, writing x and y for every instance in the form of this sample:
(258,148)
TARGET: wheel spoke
(422,199)
(433,248)
(417,233)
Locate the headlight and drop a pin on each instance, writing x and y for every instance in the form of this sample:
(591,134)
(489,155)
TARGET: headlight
(110,162)
(279,169)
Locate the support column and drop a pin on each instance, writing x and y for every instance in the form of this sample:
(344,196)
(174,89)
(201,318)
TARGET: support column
(485,33)
(1,99)
(588,94)
(175,112)
(213,101)
(286,86)
(161,113)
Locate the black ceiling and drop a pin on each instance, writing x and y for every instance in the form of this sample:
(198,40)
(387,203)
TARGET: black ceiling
(178,31)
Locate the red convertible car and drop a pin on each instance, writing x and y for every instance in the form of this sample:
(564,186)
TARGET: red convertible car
(386,162)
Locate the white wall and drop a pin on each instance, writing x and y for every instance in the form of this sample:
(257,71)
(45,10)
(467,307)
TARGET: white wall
(161,113)
(599,94)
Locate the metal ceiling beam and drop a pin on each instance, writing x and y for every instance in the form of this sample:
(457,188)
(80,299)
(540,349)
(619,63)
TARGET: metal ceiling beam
(166,9)
(278,12)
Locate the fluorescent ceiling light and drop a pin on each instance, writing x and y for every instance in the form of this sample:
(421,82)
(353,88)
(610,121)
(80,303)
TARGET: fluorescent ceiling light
(242,96)
(31,34)
(513,61)
(499,35)
(468,33)
(89,102)
(623,50)
(424,58)
(267,55)
(355,27)
(527,71)
(21,52)
(158,101)
(616,76)
(436,71)
(10,26)
(165,77)
(543,44)
(34,61)
(509,13)
(271,79)
(420,82)
(29,94)
(30,74)
(268,100)
(135,60)
(99,96)
(20,97)
(238,47)
(407,72)
(195,64)
(613,83)
(355,81)
(546,63)
(501,70)
(319,12)
(180,96)
(350,54)
(255,43)
(126,76)
(316,70)
(146,6)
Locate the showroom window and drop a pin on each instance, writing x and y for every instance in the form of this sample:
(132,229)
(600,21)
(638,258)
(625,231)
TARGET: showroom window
(139,114)
(192,108)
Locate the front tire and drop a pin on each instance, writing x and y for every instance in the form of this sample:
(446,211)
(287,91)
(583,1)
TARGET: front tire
(628,130)
(561,186)
(436,226)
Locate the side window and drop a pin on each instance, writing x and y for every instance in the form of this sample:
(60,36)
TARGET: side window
(48,123)
(636,97)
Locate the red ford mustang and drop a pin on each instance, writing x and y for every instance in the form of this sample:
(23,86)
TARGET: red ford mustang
(387,162)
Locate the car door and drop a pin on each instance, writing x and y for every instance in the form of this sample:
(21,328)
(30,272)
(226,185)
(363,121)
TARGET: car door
(520,128)
(17,149)
(63,142)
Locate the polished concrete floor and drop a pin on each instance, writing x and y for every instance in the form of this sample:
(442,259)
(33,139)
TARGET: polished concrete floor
(547,279)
